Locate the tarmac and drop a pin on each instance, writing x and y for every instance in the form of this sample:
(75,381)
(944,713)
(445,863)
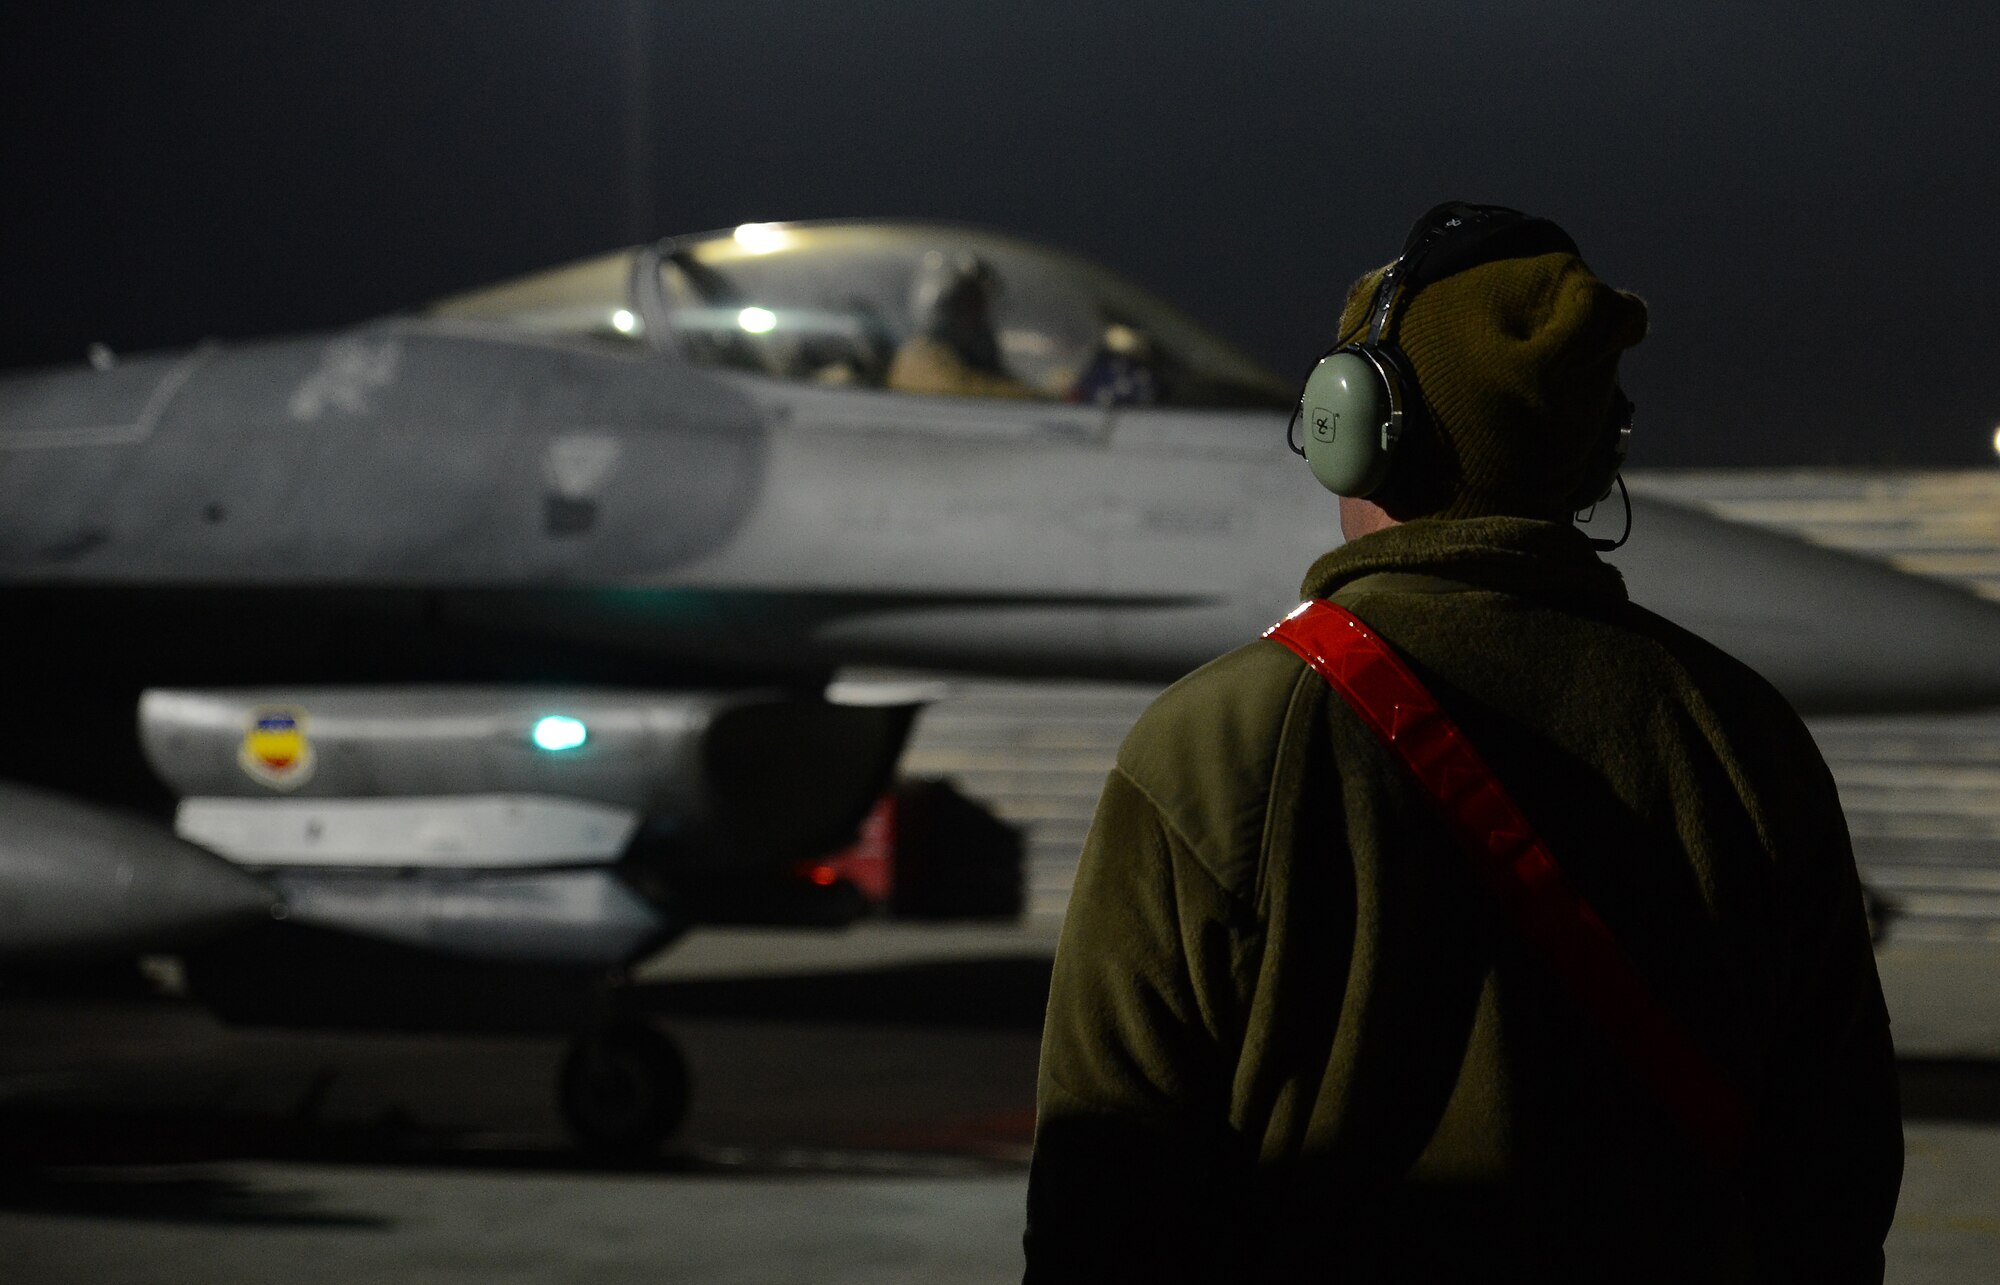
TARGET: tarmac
(863,1113)
(867,1119)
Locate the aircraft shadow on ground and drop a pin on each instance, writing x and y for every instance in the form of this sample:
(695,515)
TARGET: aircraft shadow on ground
(1003,993)
(106,1161)
(93,1161)
(59,1154)
(66,1156)
(145,1195)
(78,1158)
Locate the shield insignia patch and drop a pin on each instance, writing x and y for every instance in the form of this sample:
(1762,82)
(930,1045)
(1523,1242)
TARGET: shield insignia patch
(275,749)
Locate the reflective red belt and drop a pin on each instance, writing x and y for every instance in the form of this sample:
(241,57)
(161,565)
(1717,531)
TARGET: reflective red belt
(1516,865)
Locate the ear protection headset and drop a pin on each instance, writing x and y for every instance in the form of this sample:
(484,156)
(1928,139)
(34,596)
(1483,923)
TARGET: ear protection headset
(1361,395)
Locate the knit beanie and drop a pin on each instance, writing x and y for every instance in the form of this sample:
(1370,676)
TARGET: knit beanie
(1517,360)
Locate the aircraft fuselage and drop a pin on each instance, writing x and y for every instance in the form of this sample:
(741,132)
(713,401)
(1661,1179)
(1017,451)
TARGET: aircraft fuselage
(421,499)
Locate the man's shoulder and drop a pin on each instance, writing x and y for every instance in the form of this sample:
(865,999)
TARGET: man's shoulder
(1741,714)
(1204,751)
(1233,702)
(1720,677)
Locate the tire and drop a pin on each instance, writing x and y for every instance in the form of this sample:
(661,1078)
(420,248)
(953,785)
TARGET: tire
(624,1090)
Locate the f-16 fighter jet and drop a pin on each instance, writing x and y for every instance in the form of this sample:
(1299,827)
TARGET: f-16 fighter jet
(492,639)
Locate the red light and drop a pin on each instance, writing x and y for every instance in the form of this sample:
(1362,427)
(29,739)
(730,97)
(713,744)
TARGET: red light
(823,875)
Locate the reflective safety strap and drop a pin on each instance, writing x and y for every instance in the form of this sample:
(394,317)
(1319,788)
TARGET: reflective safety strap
(1516,865)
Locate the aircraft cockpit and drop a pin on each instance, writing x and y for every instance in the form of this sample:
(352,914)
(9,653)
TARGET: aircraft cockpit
(927,309)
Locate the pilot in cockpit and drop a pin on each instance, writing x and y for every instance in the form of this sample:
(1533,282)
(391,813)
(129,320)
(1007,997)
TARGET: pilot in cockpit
(952,350)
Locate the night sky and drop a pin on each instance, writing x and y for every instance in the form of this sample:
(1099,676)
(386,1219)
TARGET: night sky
(1803,192)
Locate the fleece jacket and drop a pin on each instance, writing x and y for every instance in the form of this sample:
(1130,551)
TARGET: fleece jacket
(1291,1036)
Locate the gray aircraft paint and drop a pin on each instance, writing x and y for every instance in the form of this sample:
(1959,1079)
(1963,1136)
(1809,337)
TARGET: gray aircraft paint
(737,517)
(80,881)
(450,459)
(564,918)
(445,740)
(701,760)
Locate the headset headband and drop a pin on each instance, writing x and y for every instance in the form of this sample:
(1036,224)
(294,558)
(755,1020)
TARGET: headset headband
(1450,238)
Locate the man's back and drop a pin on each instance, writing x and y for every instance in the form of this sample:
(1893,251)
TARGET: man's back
(1291,1032)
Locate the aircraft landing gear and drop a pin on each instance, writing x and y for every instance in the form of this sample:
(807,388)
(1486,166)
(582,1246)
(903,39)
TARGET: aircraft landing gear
(624,1089)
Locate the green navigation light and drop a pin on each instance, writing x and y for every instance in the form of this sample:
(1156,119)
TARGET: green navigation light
(560,732)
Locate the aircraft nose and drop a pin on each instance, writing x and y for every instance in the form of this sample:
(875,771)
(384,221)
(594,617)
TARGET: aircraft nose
(78,881)
(1837,633)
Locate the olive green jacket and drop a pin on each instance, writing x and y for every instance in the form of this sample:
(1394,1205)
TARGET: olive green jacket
(1291,1036)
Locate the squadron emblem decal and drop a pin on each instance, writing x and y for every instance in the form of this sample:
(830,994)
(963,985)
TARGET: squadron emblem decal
(275,749)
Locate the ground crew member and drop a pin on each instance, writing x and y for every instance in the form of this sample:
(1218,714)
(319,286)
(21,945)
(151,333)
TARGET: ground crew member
(1302,1028)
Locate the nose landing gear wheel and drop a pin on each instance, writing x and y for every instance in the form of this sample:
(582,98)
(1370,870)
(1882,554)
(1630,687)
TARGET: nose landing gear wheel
(624,1090)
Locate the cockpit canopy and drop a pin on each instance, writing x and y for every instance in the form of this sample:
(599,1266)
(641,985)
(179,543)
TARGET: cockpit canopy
(900,307)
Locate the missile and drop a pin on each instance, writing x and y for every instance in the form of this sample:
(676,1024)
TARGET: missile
(79,881)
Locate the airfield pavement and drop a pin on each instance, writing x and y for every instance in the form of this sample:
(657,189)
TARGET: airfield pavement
(862,1114)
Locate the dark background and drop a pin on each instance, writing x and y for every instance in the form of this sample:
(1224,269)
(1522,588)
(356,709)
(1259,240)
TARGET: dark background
(1804,192)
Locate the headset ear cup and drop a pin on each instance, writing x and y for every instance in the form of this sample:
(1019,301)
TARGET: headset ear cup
(1352,412)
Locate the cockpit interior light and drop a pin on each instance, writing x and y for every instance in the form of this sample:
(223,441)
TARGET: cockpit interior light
(560,732)
(624,322)
(757,321)
(762,238)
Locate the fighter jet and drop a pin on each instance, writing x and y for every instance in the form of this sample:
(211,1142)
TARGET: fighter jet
(495,636)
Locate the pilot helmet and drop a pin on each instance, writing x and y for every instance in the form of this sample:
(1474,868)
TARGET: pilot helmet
(951,295)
